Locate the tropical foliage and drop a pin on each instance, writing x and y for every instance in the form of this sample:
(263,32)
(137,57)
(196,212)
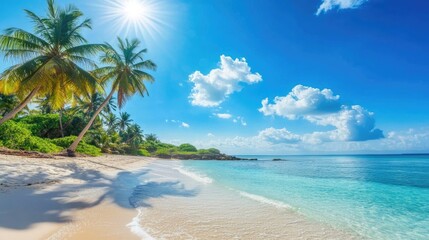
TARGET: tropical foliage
(70,110)
(125,71)
(50,58)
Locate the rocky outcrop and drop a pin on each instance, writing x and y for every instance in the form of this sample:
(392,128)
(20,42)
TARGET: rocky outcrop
(220,157)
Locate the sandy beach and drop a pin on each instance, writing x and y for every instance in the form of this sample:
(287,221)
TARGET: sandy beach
(123,197)
(65,198)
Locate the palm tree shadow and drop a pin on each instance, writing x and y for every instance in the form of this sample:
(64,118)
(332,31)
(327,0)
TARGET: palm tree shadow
(22,208)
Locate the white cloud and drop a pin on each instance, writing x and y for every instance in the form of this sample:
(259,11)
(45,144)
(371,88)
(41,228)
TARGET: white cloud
(302,101)
(242,121)
(223,115)
(210,135)
(281,141)
(352,124)
(214,88)
(237,119)
(323,108)
(340,4)
(178,122)
(279,136)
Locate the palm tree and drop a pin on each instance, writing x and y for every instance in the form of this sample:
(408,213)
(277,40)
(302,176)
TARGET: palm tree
(152,138)
(133,135)
(88,105)
(43,104)
(125,71)
(124,121)
(111,122)
(45,107)
(7,103)
(50,58)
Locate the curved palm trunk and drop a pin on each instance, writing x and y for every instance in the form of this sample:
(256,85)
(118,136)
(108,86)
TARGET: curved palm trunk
(72,149)
(21,106)
(61,123)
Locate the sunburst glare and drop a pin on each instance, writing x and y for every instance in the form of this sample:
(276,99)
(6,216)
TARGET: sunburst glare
(141,18)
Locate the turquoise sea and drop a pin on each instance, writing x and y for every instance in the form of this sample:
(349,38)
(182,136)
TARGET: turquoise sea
(375,196)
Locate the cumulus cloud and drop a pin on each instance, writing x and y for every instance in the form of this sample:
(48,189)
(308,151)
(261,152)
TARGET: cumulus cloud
(185,125)
(323,108)
(340,4)
(223,115)
(282,141)
(352,124)
(302,101)
(279,136)
(214,88)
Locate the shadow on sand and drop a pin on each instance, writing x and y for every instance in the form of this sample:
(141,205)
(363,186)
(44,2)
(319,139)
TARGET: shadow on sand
(20,208)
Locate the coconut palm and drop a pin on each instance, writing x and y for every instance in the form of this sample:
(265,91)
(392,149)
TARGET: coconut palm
(89,104)
(111,122)
(125,70)
(124,121)
(7,103)
(43,105)
(152,138)
(133,135)
(51,58)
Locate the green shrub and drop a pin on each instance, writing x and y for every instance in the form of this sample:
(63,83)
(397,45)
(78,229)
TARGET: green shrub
(150,146)
(81,148)
(42,125)
(163,152)
(41,145)
(16,136)
(186,147)
(144,152)
(209,151)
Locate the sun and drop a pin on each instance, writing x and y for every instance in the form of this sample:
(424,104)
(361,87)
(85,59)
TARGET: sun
(134,10)
(145,19)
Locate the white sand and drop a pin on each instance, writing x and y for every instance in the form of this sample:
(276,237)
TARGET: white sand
(66,198)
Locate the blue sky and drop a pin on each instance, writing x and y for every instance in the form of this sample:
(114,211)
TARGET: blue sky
(291,77)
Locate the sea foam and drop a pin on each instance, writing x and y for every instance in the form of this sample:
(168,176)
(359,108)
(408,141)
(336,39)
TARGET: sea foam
(265,200)
(135,227)
(194,175)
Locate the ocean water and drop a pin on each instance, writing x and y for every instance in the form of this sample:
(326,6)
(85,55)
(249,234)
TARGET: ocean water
(377,197)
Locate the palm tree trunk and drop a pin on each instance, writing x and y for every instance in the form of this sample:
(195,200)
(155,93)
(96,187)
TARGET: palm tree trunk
(61,123)
(21,106)
(72,149)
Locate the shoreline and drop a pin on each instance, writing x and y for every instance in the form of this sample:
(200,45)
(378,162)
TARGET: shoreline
(127,197)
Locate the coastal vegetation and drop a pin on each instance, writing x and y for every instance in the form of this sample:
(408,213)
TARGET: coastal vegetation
(41,132)
(63,93)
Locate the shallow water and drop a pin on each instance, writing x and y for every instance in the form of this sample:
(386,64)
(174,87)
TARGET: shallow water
(377,197)
(175,200)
